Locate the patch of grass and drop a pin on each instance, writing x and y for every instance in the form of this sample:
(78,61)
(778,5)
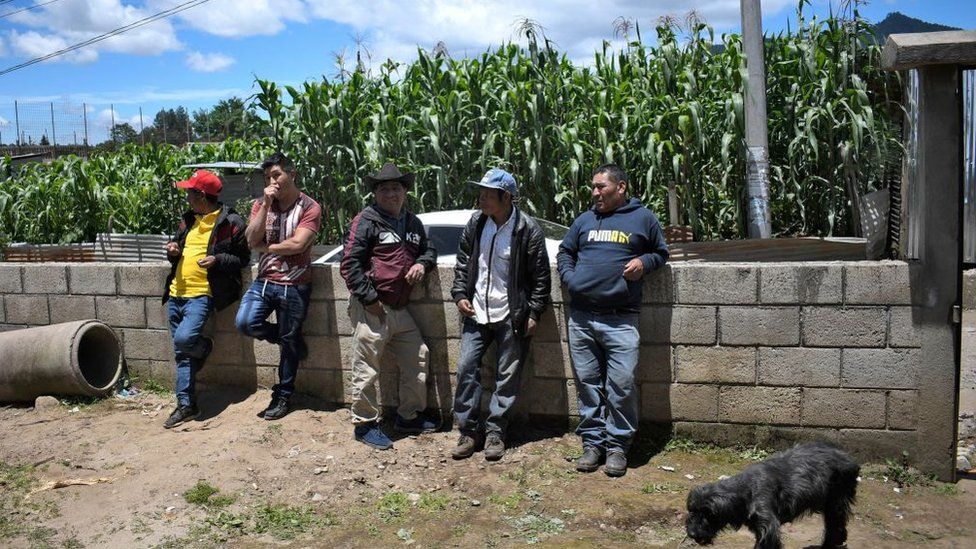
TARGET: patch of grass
(40,535)
(534,528)
(199,494)
(15,482)
(653,488)
(151,386)
(72,543)
(572,453)
(392,506)
(904,475)
(81,402)
(284,521)
(432,503)
(689,446)
(271,433)
(518,475)
(946,489)
(510,502)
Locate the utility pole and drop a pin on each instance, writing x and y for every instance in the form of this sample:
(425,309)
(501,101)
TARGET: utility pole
(17,118)
(54,135)
(757,147)
(142,130)
(84,107)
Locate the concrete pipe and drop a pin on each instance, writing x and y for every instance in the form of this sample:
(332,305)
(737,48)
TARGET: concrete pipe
(74,358)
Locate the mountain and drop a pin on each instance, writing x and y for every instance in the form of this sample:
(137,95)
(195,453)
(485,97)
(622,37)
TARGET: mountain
(897,23)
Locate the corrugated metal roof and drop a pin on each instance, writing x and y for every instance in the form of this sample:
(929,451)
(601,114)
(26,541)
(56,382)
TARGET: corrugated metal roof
(251,166)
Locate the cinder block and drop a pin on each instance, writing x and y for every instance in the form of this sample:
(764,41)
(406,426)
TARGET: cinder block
(318,321)
(902,410)
(654,364)
(662,402)
(139,368)
(844,326)
(323,353)
(715,364)
(227,374)
(340,314)
(224,321)
(550,397)
(232,348)
(65,308)
(266,354)
(850,408)
(121,312)
(659,286)
(147,344)
(3,314)
(877,282)
(45,278)
(760,405)
(549,328)
(801,284)
(688,325)
(157,313)
(718,284)
(551,360)
(10,281)
(325,384)
(92,279)
(143,279)
(901,328)
(27,309)
(437,285)
(880,368)
(445,353)
(799,366)
(327,283)
(769,326)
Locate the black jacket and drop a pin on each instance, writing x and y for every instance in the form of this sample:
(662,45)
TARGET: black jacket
(529,277)
(228,246)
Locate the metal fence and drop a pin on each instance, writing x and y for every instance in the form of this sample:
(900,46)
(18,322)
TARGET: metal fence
(969,165)
(50,123)
(910,190)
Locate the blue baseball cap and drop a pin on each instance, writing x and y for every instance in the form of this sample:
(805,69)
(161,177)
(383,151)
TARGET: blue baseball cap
(497,178)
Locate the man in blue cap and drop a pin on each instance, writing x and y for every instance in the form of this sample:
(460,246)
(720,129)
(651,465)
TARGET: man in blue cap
(501,287)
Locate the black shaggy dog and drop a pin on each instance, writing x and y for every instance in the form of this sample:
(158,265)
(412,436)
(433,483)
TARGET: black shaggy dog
(809,478)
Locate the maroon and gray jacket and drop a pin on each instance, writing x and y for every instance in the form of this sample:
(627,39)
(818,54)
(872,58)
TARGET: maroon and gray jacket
(375,259)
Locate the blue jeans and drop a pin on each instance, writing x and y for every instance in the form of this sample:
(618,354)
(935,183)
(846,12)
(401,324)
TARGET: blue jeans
(605,349)
(511,350)
(187,316)
(290,305)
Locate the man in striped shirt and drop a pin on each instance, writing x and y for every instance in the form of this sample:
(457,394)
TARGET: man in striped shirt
(282,229)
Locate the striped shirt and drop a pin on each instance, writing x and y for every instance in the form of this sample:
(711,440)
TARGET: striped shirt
(279,226)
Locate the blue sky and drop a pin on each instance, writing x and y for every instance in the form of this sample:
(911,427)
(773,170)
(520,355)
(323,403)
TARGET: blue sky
(214,50)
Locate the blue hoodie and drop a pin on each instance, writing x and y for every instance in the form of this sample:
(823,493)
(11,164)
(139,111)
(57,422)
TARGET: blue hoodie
(595,250)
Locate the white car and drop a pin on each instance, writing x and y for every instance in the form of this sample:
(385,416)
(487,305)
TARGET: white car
(444,231)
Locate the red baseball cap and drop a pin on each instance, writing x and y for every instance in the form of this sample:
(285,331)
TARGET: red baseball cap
(204,181)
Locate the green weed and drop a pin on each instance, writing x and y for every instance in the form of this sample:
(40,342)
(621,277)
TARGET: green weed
(392,507)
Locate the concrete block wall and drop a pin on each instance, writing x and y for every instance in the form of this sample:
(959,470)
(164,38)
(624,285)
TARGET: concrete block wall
(751,352)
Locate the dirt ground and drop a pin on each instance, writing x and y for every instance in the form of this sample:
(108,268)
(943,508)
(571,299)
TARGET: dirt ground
(232,479)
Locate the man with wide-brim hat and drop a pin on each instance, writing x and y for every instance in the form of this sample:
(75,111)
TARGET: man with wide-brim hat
(384,256)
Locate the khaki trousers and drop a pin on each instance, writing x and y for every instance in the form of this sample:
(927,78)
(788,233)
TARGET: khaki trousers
(371,338)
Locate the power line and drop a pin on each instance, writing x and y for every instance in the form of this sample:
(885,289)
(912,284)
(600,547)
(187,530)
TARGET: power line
(28,8)
(145,21)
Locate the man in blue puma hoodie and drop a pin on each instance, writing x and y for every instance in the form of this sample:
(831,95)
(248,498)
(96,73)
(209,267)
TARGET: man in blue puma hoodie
(602,261)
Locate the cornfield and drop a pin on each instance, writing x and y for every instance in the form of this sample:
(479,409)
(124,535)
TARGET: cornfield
(670,113)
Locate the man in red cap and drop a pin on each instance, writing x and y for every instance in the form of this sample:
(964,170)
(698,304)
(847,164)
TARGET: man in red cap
(207,254)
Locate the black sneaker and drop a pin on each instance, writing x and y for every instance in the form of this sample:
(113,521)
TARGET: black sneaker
(415,426)
(494,447)
(616,464)
(590,460)
(180,415)
(276,410)
(208,345)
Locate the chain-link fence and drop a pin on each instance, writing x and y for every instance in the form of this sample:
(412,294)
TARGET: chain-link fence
(47,123)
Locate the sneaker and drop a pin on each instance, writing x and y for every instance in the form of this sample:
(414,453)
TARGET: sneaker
(370,434)
(616,464)
(415,426)
(494,447)
(466,445)
(181,414)
(590,460)
(276,410)
(208,345)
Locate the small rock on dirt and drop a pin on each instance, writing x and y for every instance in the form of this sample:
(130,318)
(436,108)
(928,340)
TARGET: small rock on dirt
(45,402)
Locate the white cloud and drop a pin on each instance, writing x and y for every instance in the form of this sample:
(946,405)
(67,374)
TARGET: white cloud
(4,122)
(62,24)
(394,28)
(104,119)
(208,62)
(239,18)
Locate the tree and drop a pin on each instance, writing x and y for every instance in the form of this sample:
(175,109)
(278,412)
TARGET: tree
(228,118)
(44,142)
(123,133)
(169,126)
